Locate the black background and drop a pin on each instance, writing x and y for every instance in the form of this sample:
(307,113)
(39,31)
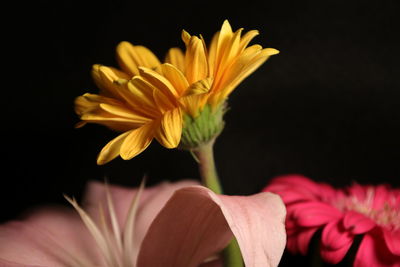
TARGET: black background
(325,107)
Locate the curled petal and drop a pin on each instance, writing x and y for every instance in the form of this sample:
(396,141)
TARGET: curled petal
(357,222)
(176,78)
(374,252)
(205,223)
(299,242)
(335,242)
(392,239)
(170,131)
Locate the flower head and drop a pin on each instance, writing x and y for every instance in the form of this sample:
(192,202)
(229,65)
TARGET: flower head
(179,224)
(371,212)
(146,99)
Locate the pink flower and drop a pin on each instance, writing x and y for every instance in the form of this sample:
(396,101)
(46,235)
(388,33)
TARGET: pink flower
(171,224)
(372,212)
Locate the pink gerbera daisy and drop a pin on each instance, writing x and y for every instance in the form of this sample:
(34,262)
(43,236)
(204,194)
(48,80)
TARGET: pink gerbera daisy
(370,212)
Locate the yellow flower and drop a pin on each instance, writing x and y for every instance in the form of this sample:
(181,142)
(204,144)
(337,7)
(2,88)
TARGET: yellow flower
(205,77)
(215,71)
(129,103)
(147,99)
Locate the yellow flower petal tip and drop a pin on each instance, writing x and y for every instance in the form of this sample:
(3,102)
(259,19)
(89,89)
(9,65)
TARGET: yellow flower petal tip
(272,51)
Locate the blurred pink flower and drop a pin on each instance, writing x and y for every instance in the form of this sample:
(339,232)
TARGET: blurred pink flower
(342,214)
(172,224)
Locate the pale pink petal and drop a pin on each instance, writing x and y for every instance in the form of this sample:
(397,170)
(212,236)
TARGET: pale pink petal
(203,225)
(52,237)
(357,223)
(4,263)
(150,203)
(373,252)
(258,225)
(335,242)
(392,239)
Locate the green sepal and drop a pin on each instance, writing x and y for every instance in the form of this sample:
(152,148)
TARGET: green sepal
(203,128)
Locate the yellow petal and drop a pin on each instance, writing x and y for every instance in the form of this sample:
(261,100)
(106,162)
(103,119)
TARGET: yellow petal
(137,140)
(131,57)
(212,53)
(176,77)
(111,150)
(103,118)
(193,104)
(235,68)
(121,111)
(195,60)
(160,83)
(90,102)
(170,130)
(247,38)
(200,87)
(246,67)
(105,77)
(224,39)
(185,37)
(118,86)
(176,57)
(142,94)
(162,102)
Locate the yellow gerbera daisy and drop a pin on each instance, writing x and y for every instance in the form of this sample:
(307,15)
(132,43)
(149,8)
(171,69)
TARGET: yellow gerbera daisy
(129,103)
(183,97)
(205,76)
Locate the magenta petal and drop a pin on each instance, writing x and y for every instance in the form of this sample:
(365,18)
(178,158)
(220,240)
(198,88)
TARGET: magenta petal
(335,242)
(299,187)
(300,241)
(373,252)
(304,239)
(310,214)
(357,223)
(335,256)
(358,191)
(196,223)
(334,236)
(392,239)
(381,196)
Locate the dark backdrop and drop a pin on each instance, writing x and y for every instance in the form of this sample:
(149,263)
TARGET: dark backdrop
(326,107)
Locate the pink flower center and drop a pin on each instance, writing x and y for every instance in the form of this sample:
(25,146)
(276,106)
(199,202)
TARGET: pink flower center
(386,214)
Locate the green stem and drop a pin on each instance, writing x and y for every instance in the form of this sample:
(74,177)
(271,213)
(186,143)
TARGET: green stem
(208,172)
(209,176)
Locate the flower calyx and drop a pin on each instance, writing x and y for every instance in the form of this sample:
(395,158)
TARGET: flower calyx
(202,129)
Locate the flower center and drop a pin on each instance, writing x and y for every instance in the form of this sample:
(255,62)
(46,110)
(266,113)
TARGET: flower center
(388,214)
